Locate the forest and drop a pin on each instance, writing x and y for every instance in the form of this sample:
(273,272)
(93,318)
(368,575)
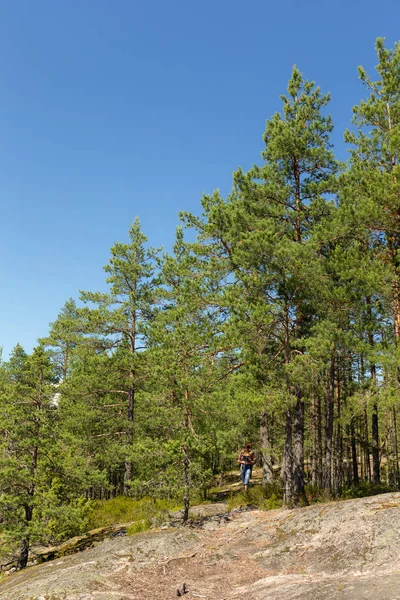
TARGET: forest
(275,320)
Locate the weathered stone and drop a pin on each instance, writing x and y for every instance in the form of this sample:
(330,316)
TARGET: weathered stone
(341,550)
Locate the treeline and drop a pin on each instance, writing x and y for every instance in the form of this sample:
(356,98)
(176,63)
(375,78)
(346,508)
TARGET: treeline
(279,325)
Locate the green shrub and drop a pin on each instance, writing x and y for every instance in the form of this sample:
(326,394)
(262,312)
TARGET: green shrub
(124,510)
(271,503)
(265,497)
(366,488)
(138,526)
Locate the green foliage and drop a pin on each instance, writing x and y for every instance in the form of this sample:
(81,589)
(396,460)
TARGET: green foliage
(364,489)
(267,497)
(38,499)
(124,510)
(138,527)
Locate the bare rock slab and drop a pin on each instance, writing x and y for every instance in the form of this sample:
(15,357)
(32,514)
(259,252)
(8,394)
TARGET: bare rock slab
(339,550)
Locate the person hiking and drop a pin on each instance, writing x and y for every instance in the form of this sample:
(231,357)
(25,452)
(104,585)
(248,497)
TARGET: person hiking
(246,460)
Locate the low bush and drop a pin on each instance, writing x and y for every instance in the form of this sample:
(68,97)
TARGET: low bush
(366,488)
(125,510)
(265,497)
(138,526)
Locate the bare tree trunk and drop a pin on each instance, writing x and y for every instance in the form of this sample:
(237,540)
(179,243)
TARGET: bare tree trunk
(128,475)
(338,447)
(396,449)
(288,451)
(288,462)
(366,446)
(314,441)
(186,485)
(298,472)
(376,468)
(186,463)
(348,456)
(356,479)
(320,474)
(266,450)
(24,545)
(329,427)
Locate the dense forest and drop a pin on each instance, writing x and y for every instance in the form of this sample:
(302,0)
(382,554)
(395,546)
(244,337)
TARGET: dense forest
(276,321)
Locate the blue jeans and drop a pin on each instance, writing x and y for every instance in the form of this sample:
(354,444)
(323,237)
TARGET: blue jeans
(246,473)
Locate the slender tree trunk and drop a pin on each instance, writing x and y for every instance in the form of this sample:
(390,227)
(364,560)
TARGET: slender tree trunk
(314,441)
(288,462)
(186,465)
(396,449)
(376,474)
(348,457)
(329,427)
(186,485)
(396,298)
(320,475)
(356,479)
(266,450)
(366,446)
(128,475)
(376,468)
(339,444)
(298,471)
(288,450)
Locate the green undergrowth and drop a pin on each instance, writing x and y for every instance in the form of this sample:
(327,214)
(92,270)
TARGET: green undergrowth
(145,512)
(362,490)
(125,510)
(366,489)
(138,526)
(264,497)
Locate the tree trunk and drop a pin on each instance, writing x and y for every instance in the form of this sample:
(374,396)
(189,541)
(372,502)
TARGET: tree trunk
(186,462)
(339,443)
(186,485)
(288,462)
(376,474)
(320,476)
(356,479)
(366,446)
(314,439)
(396,451)
(329,428)
(128,475)
(348,457)
(24,545)
(298,471)
(266,454)
(376,469)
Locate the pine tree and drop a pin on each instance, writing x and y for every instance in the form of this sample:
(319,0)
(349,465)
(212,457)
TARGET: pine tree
(120,319)
(64,335)
(261,236)
(189,358)
(28,430)
(372,187)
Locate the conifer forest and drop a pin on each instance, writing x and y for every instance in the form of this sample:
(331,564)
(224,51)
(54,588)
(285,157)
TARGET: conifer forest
(275,320)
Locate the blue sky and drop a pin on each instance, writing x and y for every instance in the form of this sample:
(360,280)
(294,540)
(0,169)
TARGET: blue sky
(110,110)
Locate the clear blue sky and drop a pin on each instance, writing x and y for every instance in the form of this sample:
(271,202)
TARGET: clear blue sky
(110,110)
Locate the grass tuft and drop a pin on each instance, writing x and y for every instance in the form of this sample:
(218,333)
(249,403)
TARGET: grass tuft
(124,510)
(264,497)
(142,525)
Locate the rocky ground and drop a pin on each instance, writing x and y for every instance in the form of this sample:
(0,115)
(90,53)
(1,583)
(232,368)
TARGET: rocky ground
(340,550)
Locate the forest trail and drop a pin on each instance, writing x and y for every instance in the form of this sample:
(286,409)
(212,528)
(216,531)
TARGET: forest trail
(339,550)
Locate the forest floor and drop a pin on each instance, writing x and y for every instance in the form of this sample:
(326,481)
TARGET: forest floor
(338,550)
